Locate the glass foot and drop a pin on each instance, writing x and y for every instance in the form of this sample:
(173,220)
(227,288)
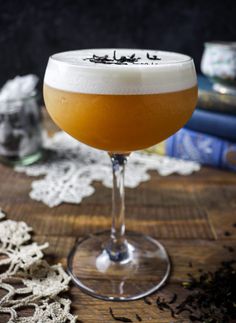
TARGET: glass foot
(144,271)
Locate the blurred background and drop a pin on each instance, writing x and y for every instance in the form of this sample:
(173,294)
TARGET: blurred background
(30,31)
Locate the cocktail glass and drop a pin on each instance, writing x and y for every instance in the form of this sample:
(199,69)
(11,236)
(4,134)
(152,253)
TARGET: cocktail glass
(119,101)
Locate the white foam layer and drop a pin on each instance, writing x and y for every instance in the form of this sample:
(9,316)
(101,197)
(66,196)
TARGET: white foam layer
(72,71)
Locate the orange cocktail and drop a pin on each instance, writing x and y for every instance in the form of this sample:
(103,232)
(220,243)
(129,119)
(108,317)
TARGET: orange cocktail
(120,123)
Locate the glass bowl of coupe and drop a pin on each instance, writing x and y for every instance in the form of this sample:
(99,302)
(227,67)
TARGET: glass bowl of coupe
(119,101)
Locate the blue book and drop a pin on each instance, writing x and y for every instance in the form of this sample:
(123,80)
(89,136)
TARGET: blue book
(205,149)
(204,83)
(213,123)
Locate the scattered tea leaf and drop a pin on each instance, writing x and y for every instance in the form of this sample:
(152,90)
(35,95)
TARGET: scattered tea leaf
(147,301)
(173,299)
(213,296)
(138,318)
(194,318)
(185,284)
(119,318)
(229,248)
(163,305)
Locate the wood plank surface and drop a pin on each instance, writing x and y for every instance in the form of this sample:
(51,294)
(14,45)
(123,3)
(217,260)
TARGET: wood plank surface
(189,214)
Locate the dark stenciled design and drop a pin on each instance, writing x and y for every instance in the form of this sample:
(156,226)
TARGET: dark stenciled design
(122,60)
(153,58)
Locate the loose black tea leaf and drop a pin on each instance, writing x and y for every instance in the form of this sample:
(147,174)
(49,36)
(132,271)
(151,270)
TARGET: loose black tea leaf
(119,318)
(163,305)
(138,318)
(172,312)
(184,309)
(190,264)
(147,301)
(213,296)
(234,225)
(185,284)
(229,248)
(227,233)
(194,318)
(159,304)
(173,299)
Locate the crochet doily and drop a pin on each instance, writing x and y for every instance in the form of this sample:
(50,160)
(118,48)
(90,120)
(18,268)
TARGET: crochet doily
(71,167)
(27,280)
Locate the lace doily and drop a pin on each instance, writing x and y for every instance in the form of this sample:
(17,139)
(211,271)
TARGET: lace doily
(71,167)
(27,280)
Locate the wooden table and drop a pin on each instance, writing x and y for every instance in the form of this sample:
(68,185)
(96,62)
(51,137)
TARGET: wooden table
(188,214)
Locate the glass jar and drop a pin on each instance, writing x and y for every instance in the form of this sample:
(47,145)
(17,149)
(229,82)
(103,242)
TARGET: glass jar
(219,64)
(20,131)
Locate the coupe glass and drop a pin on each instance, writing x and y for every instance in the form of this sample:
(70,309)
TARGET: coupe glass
(119,101)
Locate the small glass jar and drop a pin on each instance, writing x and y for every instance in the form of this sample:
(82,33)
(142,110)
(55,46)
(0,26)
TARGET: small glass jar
(219,64)
(20,131)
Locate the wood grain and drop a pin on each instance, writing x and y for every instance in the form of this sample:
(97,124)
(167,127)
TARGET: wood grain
(189,214)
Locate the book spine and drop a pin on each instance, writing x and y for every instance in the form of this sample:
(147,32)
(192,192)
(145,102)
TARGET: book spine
(205,149)
(216,102)
(215,124)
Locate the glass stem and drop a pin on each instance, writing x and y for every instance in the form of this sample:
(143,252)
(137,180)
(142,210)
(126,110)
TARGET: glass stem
(117,246)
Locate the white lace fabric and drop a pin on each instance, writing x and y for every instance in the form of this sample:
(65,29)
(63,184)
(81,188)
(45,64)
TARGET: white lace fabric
(40,284)
(71,167)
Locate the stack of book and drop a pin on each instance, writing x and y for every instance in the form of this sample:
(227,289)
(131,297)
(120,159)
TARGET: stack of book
(210,135)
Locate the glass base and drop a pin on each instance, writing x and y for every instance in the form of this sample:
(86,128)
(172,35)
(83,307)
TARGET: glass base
(144,271)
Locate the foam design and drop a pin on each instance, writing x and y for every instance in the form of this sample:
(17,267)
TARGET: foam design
(69,71)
